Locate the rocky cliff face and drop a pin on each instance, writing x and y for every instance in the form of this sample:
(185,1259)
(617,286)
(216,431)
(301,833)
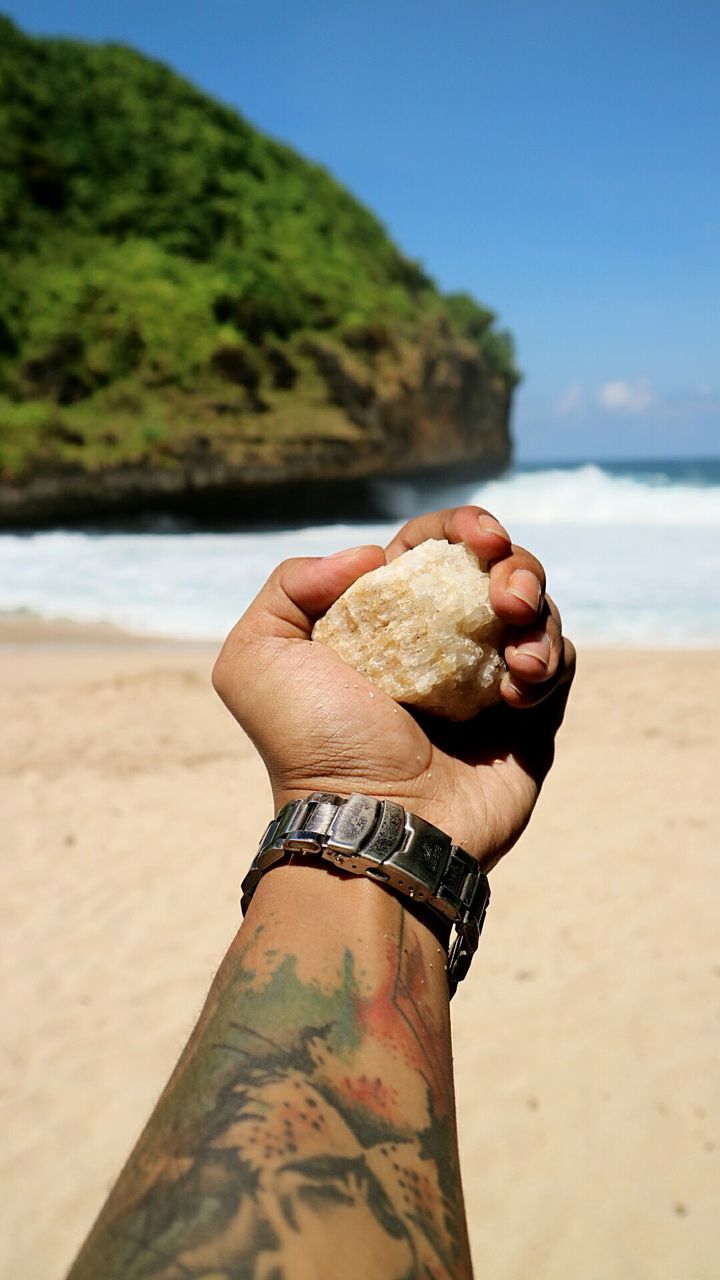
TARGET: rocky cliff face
(433,408)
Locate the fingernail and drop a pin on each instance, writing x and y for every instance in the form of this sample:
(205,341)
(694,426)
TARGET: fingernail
(490,525)
(524,585)
(507,684)
(339,555)
(538,650)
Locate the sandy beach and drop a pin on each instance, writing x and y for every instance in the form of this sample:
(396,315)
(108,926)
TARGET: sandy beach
(587,1038)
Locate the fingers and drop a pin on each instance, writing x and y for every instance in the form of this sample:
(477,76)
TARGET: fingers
(471,525)
(534,747)
(517,588)
(521,691)
(517,579)
(532,654)
(299,591)
(302,590)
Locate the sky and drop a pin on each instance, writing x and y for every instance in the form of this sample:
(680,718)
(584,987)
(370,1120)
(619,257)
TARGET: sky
(558,159)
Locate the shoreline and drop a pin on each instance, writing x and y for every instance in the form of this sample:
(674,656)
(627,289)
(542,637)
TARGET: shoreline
(23,627)
(19,627)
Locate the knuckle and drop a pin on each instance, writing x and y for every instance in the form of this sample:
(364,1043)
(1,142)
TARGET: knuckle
(218,679)
(554,631)
(553,612)
(219,672)
(222,672)
(281,571)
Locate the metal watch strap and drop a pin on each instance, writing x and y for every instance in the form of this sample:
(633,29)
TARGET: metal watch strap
(380,839)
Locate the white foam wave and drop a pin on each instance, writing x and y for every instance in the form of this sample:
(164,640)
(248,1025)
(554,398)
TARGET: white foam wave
(589,495)
(582,495)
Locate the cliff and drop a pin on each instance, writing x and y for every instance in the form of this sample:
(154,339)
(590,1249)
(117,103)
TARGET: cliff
(194,317)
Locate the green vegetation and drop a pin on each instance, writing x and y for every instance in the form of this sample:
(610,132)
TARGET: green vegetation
(165,268)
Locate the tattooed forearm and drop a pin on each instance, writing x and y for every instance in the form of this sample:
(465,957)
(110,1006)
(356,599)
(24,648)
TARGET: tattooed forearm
(308,1130)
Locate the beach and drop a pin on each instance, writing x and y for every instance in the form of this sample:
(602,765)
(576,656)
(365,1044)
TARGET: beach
(279,282)
(587,1036)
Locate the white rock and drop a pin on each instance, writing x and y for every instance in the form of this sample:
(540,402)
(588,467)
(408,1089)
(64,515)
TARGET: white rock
(422,628)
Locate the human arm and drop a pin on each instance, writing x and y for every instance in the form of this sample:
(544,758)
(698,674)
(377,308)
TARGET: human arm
(309,1128)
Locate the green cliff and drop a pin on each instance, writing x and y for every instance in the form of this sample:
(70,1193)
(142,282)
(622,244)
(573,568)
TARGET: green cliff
(188,307)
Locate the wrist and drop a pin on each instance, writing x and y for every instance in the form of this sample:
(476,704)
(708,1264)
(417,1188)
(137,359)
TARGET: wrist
(321,914)
(397,850)
(340,893)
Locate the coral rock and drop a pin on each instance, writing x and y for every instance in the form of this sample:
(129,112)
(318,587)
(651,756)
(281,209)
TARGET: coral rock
(422,629)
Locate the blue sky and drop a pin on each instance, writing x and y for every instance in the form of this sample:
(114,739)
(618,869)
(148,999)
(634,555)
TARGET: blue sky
(560,159)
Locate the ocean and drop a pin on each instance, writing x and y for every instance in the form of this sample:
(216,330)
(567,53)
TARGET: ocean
(632,552)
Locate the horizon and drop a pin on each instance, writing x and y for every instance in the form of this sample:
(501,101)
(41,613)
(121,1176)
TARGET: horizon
(591,460)
(588,223)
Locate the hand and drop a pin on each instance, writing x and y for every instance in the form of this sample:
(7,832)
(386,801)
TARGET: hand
(320,726)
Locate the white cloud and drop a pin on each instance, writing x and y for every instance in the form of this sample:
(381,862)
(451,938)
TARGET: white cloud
(571,400)
(627,397)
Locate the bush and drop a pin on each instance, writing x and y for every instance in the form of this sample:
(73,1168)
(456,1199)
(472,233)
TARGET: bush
(153,242)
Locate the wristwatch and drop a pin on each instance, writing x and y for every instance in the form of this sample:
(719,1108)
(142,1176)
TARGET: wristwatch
(381,840)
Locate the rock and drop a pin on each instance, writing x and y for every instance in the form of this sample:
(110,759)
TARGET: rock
(423,630)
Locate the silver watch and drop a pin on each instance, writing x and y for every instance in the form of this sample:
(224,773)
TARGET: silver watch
(380,839)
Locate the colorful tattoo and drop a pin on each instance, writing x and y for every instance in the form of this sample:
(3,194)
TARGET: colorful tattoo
(307,1132)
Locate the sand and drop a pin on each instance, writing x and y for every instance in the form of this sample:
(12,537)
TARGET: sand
(587,1038)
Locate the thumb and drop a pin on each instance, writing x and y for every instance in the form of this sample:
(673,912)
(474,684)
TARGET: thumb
(252,670)
(300,591)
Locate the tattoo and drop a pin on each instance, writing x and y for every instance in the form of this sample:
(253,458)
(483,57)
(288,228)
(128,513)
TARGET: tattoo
(308,1131)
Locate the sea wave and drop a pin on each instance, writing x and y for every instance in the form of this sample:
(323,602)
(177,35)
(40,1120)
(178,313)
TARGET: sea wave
(630,560)
(580,495)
